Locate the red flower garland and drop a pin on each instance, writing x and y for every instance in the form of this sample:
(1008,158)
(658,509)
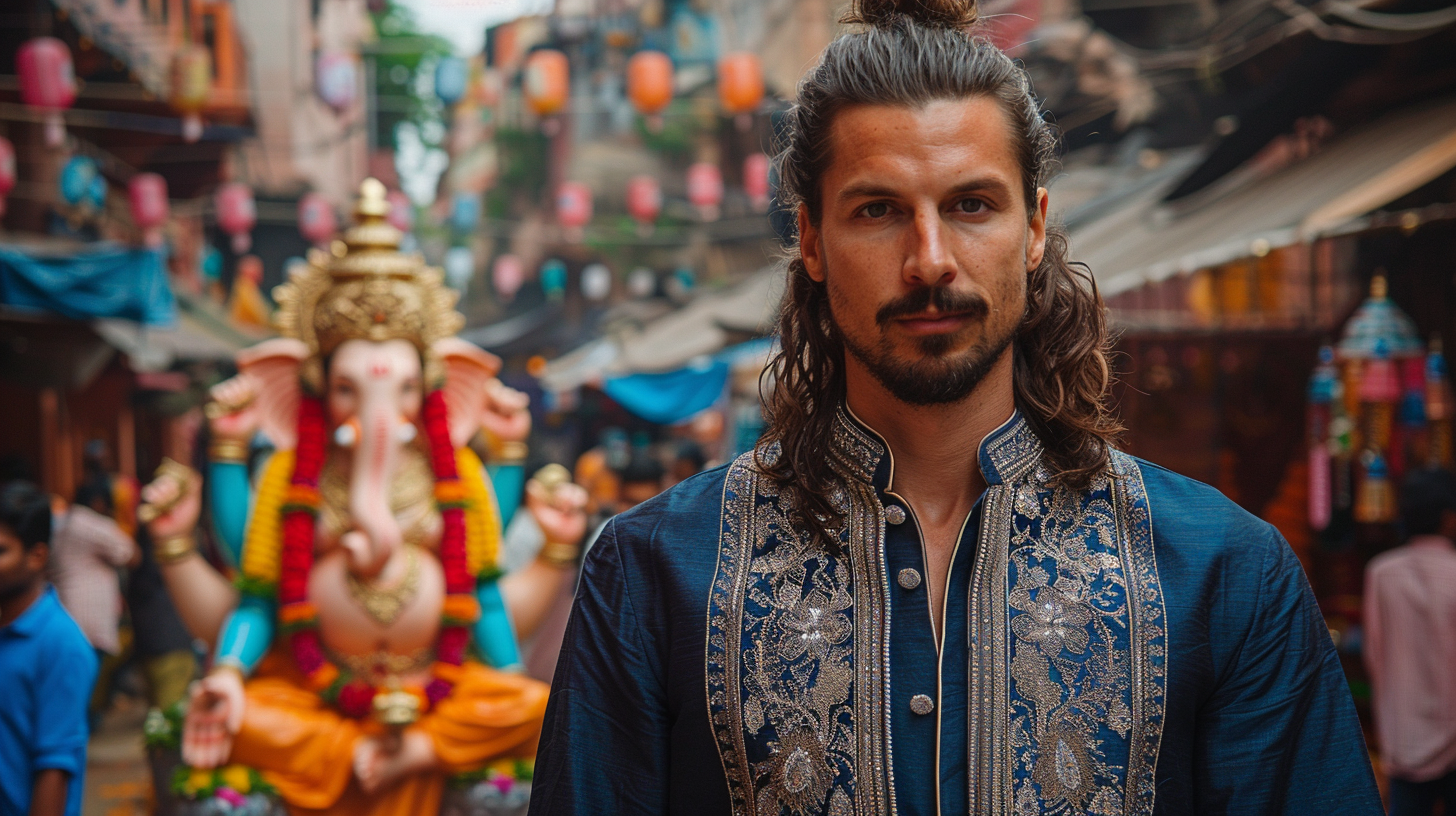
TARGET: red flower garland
(354,697)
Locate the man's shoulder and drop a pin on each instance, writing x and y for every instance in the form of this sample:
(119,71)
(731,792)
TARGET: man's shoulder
(1196,519)
(686,512)
(54,635)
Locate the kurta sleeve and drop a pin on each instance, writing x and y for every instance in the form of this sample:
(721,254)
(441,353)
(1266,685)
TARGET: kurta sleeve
(1279,734)
(604,747)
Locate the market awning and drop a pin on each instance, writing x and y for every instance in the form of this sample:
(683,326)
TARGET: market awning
(88,281)
(1147,240)
(202,332)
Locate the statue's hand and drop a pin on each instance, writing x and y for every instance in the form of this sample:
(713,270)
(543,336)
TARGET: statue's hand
(561,513)
(179,498)
(507,413)
(233,412)
(214,716)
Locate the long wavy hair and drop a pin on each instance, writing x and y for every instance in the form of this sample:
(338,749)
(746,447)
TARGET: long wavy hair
(913,52)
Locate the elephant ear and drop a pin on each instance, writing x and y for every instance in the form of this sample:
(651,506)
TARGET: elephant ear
(275,365)
(468,371)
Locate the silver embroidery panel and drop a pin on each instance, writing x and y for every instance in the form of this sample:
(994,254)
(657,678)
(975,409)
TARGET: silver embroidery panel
(723,651)
(988,752)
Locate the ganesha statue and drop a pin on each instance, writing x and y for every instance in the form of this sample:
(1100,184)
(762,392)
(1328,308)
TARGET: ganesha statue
(365,641)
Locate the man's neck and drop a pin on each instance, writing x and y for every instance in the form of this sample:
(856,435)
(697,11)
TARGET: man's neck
(14,604)
(935,447)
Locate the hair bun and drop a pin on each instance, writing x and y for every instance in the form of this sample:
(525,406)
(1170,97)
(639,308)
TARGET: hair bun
(933,13)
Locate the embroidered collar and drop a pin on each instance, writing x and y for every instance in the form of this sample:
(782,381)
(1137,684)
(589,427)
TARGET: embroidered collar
(860,453)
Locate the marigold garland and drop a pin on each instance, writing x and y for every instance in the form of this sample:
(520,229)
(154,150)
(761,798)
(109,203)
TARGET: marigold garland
(262,544)
(483,526)
(299,508)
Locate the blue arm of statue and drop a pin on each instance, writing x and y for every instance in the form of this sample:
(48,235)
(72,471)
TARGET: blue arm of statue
(509,484)
(247,634)
(229,492)
(494,634)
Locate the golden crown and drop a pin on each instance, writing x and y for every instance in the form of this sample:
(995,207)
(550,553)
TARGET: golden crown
(366,289)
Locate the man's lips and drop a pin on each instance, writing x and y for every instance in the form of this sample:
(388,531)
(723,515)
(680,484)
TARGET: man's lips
(933,322)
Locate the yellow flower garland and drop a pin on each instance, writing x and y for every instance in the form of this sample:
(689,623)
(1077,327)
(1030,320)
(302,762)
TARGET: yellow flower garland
(264,540)
(482,514)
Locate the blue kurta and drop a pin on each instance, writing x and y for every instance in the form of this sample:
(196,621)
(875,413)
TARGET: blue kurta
(1142,646)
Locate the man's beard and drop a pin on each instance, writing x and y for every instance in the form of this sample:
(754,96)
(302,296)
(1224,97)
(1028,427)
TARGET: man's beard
(934,379)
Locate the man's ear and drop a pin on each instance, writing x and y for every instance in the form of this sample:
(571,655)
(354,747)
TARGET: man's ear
(1036,232)
(38,556)
(809,248)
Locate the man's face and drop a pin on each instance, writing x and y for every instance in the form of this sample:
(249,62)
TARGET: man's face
(19,568)
(924,243)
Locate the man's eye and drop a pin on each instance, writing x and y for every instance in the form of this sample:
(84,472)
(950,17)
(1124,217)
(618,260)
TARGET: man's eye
(971,205)
(879,209)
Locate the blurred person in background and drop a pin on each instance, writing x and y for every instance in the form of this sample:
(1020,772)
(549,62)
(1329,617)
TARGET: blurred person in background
(162,646)
(687,462)
(1410,648)
(107,493)
(46,669)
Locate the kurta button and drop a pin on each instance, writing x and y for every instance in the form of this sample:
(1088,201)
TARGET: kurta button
(922,704)
(895,514)
(909,578)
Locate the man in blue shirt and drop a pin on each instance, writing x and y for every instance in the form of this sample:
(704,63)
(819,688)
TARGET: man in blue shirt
(937,587)
(47,669)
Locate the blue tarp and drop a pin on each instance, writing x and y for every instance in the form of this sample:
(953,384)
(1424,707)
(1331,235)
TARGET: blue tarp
(674,396)
(106,281)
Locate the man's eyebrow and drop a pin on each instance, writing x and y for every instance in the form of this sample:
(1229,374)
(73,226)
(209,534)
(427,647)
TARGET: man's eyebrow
(869,189)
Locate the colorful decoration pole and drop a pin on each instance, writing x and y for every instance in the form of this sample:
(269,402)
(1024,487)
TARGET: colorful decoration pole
(47,82)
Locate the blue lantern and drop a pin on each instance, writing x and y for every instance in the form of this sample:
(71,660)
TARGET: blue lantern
(96,196)
(464,212)
(553,279)
(76,179)
(451,74)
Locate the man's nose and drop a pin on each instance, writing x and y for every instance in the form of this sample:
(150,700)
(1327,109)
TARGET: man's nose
(929,262)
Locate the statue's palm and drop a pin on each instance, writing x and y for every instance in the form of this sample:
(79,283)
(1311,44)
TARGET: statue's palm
(239,418)
(561,513)
(506,414)
(214,715)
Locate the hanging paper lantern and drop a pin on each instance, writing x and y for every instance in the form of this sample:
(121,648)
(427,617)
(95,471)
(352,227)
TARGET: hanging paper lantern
(47,82)
(236,214)
(459,266)
(641,282)
(755,181)
(705,189)
(649,84)
(464,212)
(451,73)
(573,208)
(553,279)
(547,79)
(596,282)
(7,171)
(316,219)
(644,202)
(338,80)
(76,178)
(96,195)
(147,195)
(191,85)
(508,274)
(401,211)
(740,86)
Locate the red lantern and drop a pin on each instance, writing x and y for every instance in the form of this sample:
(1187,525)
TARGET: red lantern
(755,180)
(508,274)
(236,214)
(574,208)
(649,84)
(48,82)
(316,219)
(740,85)
(147,195)
(705,189)
(547,81)
(191,85)
(401,211)
(7,171)
(644,202)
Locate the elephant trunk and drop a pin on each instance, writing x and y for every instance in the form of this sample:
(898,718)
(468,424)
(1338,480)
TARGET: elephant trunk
(375,460)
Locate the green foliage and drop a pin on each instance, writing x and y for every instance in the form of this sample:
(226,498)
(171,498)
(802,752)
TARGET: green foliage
(401,93)
(163,728)
(524,157)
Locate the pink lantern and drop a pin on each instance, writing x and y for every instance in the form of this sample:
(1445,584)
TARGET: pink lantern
(705,189)
(48,82)
(644,202)
(574,208)
(236,214)
(147,194)
(7,171)
(755,180)
(508,274)
(316,219)
(401,211)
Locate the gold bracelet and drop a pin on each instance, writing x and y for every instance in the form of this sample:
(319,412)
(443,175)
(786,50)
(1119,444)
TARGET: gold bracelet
(229,664)
(511,452)
(229,450)
(560,554)
(173,548)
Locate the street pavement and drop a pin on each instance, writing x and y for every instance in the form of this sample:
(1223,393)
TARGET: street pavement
(117,780)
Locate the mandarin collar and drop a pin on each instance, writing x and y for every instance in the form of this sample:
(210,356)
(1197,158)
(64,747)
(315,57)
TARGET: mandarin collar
(31,620)
(859,452)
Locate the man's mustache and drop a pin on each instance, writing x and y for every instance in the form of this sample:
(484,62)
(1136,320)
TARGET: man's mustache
(944,300)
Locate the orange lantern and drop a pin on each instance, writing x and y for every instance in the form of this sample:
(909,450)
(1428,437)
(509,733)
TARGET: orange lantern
(547,81)
(649,84)
(191,84)
(740,85)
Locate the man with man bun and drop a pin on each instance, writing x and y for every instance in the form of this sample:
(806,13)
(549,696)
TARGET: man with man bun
(936,585)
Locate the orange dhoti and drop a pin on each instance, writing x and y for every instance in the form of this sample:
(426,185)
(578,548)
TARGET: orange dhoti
(305,748)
